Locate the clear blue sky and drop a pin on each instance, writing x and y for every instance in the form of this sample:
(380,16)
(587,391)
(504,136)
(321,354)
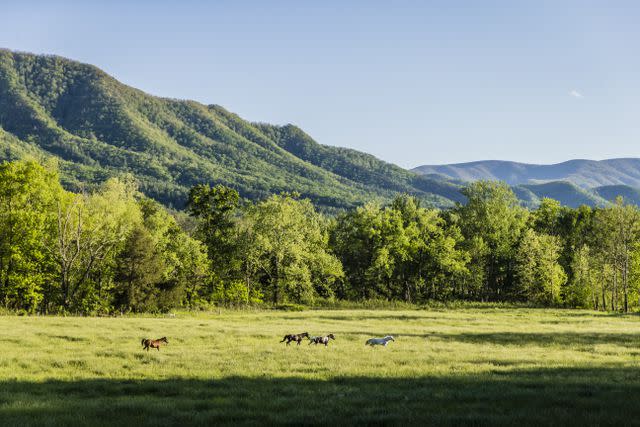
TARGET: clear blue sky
(413,82)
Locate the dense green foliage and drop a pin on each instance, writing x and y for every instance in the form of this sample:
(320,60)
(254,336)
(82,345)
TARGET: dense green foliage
(114,250)
(104,251)
(100,128)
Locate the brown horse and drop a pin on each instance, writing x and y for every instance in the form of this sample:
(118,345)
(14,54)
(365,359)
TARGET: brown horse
(147,343)
(297,338)
(322,340)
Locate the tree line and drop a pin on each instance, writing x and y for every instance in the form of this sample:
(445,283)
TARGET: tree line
(112,250)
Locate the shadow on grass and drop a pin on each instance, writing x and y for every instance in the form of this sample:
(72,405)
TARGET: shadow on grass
(526,397)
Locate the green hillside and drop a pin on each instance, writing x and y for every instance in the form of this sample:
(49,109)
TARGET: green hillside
(567,193)
(610,192)
(98,127)
(527,197)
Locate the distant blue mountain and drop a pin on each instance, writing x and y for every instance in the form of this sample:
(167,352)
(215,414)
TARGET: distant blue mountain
(583,173)
(610,192)
(573,183)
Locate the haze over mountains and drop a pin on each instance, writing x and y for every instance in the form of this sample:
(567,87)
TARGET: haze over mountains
(583,173)
(98,127)
(574,182)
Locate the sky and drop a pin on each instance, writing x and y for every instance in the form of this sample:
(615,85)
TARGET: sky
(412,82)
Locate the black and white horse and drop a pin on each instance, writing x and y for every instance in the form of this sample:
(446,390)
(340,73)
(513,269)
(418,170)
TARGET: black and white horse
(321,340)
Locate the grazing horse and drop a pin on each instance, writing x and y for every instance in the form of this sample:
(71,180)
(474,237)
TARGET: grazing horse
(379,341)
(321,340)
(297,338)
(147,343)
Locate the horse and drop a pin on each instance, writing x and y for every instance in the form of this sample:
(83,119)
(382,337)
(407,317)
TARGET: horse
(147,343)
(297,338)
(321,340)
(379,341)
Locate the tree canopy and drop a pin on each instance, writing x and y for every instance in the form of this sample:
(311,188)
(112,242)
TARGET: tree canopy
(110,249)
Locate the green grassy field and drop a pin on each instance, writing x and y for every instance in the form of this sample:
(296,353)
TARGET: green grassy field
(457,367)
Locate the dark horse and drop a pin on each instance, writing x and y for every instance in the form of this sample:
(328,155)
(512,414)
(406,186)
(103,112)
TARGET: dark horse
(321,340)
(147,343)
(297,338)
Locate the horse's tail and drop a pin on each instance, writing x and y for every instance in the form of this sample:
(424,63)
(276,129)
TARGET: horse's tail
(143,340)
(284,339)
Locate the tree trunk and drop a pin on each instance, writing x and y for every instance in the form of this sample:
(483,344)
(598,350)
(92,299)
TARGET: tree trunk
(614,288)
(625,272)
(604,298)
(276,286)
(594,296)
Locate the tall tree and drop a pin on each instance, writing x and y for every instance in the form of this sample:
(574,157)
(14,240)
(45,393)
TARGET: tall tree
(138,270)
(28,194)
(618,229)
(291,248)
(492,222)
(90,230)
(538,274)
(186,272)
(215,208)
(581,290)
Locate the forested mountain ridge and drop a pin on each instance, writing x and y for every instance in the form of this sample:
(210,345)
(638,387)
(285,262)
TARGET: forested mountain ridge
(99,127)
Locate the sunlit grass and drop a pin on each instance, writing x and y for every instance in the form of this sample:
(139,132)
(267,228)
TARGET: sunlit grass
(482,366)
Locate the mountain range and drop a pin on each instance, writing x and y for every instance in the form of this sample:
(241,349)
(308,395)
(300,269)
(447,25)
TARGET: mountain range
(583,173)
(97,127)
(574,182)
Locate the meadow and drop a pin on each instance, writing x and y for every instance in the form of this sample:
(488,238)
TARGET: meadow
(474,366)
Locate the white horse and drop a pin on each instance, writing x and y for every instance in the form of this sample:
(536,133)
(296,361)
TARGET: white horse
(379,341)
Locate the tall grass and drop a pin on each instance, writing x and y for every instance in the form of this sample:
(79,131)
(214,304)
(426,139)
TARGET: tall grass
(467,366)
